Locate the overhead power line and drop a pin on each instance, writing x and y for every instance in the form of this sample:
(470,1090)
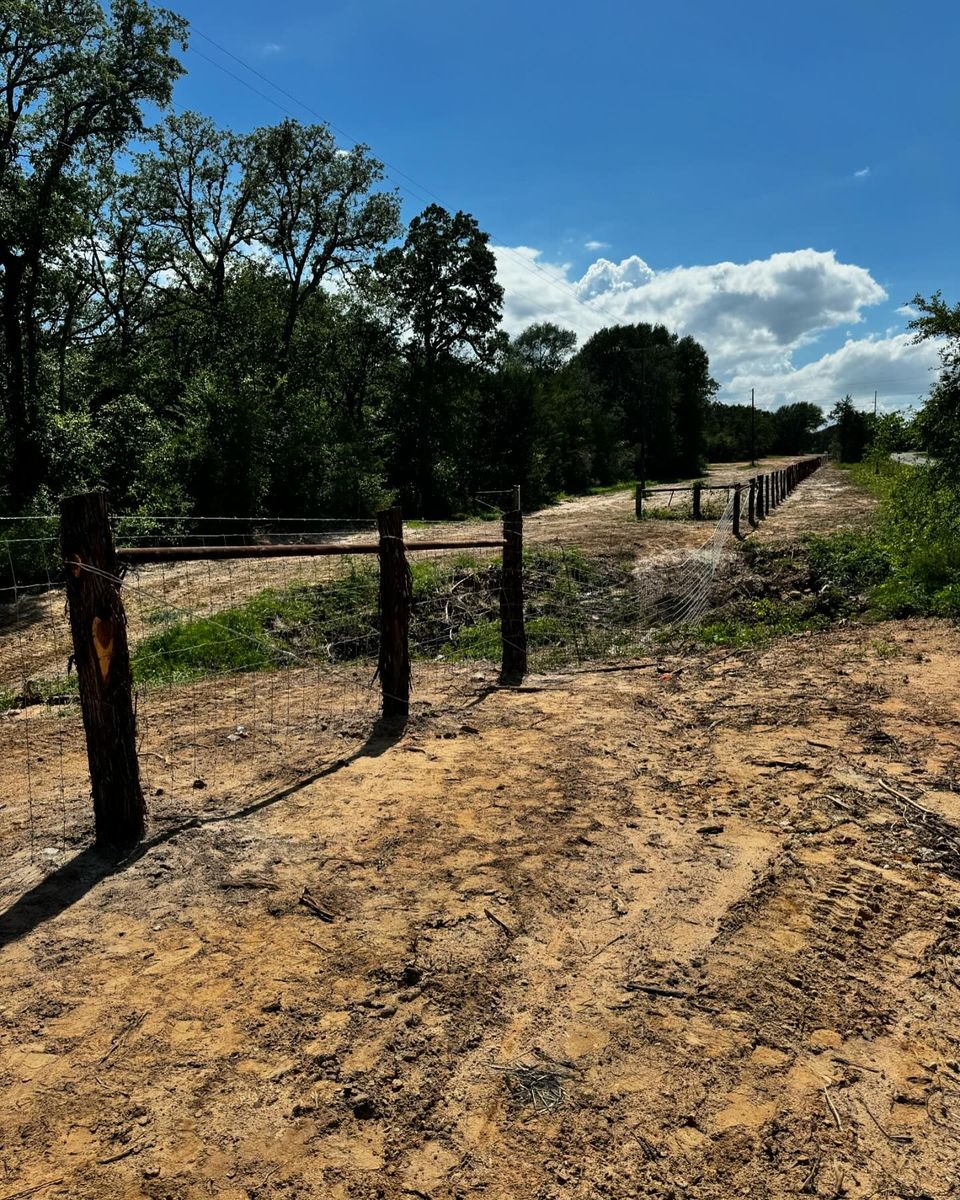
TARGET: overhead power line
(411,186)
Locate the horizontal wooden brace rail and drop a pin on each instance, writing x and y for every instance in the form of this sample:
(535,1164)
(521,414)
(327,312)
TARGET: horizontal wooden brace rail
(161,554)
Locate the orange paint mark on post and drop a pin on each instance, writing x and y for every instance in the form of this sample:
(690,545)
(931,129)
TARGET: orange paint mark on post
(103,644)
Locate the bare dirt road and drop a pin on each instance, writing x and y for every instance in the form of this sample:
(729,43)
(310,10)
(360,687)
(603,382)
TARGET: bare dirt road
(685,929)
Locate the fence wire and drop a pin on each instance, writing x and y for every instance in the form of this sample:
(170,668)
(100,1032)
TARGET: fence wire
(252,674)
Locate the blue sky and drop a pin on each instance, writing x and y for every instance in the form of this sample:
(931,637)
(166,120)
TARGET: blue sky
(776,179)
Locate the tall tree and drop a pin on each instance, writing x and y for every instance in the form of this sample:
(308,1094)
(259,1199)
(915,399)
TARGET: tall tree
(75,80)
(196,192)
(442,284)
(316,209)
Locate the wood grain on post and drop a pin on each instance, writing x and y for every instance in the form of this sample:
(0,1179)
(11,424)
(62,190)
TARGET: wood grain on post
(396,595)
(98,624)
(513,633)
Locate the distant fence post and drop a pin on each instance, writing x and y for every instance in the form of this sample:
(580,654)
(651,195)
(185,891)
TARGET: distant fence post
(638,501)
(396,590)
(516,498)
(98,624)
(513,634)
(768,486)
(752,505)
(736,509)
(696,500)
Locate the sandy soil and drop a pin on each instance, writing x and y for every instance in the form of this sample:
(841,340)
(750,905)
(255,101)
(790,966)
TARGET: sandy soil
(827,502)
(673,929)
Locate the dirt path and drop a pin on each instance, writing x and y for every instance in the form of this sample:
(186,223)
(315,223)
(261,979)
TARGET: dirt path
(828,502)
(688,893)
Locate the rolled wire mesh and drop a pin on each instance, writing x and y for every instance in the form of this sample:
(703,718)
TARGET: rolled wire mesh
(584,605)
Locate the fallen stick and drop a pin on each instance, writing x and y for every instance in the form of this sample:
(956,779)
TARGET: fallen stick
(496,920)
(894,1137)
(618,938)
(309,902)
(32,1190)
(652,989)
(135,1149)
(833,1108)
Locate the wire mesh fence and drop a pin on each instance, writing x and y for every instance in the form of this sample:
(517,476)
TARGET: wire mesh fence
(252,674)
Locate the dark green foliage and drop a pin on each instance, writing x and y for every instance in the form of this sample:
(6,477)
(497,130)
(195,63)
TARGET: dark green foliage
(734,431)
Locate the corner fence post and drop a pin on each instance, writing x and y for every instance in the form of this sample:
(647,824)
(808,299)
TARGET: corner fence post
(98,625)
(396,593)
(752,504)
(696,501)
(513,634)
(736,509)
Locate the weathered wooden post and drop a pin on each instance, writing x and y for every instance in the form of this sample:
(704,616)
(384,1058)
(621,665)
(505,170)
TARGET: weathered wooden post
(516,498)
(752,505)
(768,483)
(513,634)
(736,509)
(98,624)
(638,501)
(696,500)
(396,593)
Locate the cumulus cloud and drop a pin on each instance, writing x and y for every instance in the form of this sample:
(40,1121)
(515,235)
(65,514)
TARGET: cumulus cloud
(752,317)
(595,245)
(862,173)
(900,369)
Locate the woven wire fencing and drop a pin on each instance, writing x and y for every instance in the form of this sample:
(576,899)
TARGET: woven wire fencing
(254,674)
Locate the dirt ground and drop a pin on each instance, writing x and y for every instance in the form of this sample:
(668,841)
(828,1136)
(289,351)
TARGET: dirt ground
(827,502)
(685,927)
(679,929)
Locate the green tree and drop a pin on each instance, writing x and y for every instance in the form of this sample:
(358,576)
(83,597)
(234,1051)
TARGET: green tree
(442,287)
(315,209)
(76,80)
(851,430)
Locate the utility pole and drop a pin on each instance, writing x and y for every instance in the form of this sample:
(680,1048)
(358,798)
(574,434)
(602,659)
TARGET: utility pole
(876,456)
(753,430)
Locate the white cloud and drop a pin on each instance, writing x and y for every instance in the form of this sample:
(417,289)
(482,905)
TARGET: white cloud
(862,173)
(271,48)
(595,245)
(752,317)
(900,369)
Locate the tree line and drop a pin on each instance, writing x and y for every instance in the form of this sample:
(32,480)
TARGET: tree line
(201,320)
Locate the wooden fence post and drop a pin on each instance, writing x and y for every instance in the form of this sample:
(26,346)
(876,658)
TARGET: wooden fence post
(696,500)
(396,593)
(736,509)
(638,501)
(752,505)
(513,634)
(100,653)
(768,483)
